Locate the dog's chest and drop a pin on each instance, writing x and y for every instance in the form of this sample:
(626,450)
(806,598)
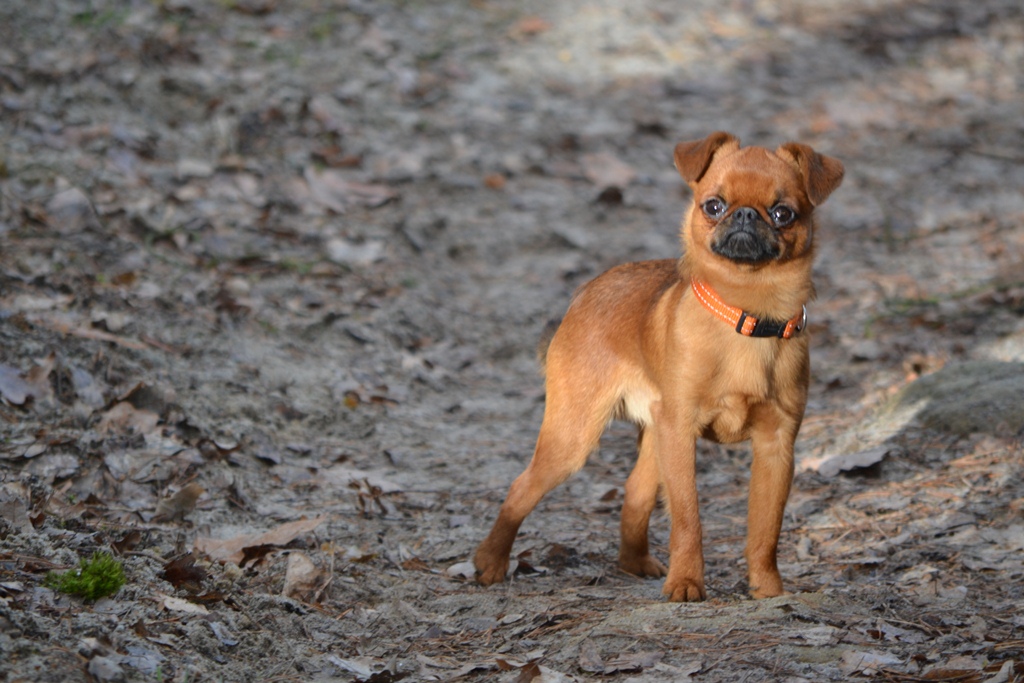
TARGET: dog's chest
(733,386)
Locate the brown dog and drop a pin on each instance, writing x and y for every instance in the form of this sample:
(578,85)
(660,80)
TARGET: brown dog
(709,346)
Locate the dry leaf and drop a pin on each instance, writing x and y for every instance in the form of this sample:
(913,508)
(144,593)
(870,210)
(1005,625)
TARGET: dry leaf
(530,26)
(462,570)
(14,506)
(183,572)
(226,638)
(495,181)
(854,662)
(92,333)
(330,189)
(233,549)
(70,211)
(529,673)
(607,171)
(590,658)
(17,388)
(360,666)
(173,604)
(301,578)
(343,476)
(29,303)
(38,377)
(128,543)
(175,507)
(125,418)
(13,388)
(831,465)
(591,661)
(350,253)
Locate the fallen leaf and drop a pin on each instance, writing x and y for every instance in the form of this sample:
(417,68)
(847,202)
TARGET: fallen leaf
(495,181)
(52,466)
(633,662)
(9,588)
(854,662)
(233,549)
(1006,673)
(16,388)
(183,572)
(38,377)
(360,666)
(87,388)
(175,507)
(70,210)
(529,673)
(145,660)
(462,570)
(14,506)
(89,333)
(591,661)
(330,189)
(13,387)
(415,564)
(590,658)
(831,465)
(128,543)
(194,168)
(125,418)
(29,303)
(530,26)
(105,669)
(301,578)
(226,638)
(346,252)
(342,476)
(173,604)
(607,171)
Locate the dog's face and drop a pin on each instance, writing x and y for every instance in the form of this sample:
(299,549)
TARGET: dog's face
(753,207)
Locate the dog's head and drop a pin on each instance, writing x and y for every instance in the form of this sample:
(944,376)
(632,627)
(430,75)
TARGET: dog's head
(752,206)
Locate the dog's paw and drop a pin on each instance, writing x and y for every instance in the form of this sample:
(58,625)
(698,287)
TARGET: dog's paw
(766,584)
(758,593)
(684,590)
(490,571)
(645,565)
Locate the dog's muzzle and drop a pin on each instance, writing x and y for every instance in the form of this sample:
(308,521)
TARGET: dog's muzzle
(745,237)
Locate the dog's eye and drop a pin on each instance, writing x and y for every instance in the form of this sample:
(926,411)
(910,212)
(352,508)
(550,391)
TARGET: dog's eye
(714,207)
(782,215)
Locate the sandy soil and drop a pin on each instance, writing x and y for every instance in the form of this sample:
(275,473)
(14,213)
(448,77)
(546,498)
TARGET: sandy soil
(272,276)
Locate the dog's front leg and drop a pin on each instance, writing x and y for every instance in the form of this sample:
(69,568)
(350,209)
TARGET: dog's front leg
(676,448)
(771,475)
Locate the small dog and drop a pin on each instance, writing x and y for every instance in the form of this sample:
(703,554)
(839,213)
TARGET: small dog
(712,346)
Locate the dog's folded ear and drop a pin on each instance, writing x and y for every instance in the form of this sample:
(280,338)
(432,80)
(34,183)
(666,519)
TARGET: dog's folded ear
(822,174)
(693,158)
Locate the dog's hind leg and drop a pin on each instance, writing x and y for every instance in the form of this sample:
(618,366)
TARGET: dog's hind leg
(639,502)
(567,437)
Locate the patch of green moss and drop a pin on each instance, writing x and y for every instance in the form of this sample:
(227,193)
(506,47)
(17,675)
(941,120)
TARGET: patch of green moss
(99,576)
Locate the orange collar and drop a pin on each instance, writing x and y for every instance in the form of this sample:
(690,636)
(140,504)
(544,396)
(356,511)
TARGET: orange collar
(746,324)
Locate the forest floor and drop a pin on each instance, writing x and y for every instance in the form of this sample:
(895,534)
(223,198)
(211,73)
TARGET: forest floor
(272,276)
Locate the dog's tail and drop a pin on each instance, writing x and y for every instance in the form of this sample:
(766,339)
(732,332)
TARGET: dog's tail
(545,341)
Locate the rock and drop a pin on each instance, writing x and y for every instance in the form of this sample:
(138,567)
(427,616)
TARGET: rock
(977,396)
(350,253)
(194,168)
(105,669)
(961,399)
(70,210)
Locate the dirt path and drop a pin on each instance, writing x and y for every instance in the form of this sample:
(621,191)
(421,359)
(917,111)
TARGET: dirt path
(299,255)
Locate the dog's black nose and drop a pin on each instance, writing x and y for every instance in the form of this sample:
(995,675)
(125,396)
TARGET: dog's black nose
(745,215)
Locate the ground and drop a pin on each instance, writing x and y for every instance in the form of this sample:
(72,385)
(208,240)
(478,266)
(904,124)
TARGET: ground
(272,280)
